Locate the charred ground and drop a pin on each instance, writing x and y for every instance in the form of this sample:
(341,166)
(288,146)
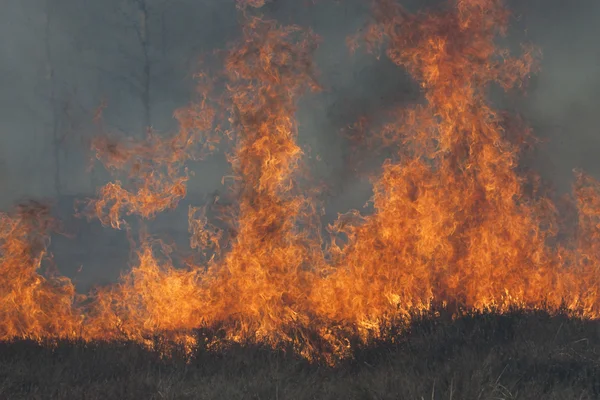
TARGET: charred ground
(516,355)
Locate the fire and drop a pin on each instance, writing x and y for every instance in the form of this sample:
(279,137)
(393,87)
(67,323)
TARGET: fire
(454,221)
(263,280)
(251,3)
(31,305)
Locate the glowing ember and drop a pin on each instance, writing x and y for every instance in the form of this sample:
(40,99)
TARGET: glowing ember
(454,222)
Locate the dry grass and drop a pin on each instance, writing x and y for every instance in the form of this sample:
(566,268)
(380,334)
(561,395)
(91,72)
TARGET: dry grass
(522,355)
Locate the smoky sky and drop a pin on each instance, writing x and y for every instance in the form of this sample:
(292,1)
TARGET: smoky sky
(61,59)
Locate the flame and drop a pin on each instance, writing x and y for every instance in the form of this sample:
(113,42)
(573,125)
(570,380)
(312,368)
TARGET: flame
(263,280)
(454,221)
(153,165)
(252,3)
(32,306)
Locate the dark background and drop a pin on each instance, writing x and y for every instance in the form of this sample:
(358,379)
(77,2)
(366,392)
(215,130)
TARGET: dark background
(60,59)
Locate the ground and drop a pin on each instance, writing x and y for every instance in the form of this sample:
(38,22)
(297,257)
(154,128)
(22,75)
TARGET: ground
(521,355)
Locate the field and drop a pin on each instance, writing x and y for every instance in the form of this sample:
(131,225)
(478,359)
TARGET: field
(519,355)
(457,216)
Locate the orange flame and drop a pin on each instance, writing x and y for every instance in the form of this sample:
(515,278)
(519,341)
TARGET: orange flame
(32,306)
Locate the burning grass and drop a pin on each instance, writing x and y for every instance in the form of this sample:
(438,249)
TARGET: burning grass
(528,355)
(455,223)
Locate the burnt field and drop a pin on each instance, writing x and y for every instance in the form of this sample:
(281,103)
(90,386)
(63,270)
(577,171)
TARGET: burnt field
(515,355)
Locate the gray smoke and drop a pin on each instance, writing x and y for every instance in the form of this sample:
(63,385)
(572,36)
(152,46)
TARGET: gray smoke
(61,58)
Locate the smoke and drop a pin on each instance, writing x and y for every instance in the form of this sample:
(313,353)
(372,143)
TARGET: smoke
(563,98)
(95,56)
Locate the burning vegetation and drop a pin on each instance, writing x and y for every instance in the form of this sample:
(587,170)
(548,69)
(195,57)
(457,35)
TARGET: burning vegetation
(455,223)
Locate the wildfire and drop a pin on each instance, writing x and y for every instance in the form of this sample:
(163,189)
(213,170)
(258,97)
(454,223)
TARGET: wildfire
(454,221)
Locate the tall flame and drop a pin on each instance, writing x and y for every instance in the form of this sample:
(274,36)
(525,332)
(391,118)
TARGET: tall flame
(263,281)
(452,221)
